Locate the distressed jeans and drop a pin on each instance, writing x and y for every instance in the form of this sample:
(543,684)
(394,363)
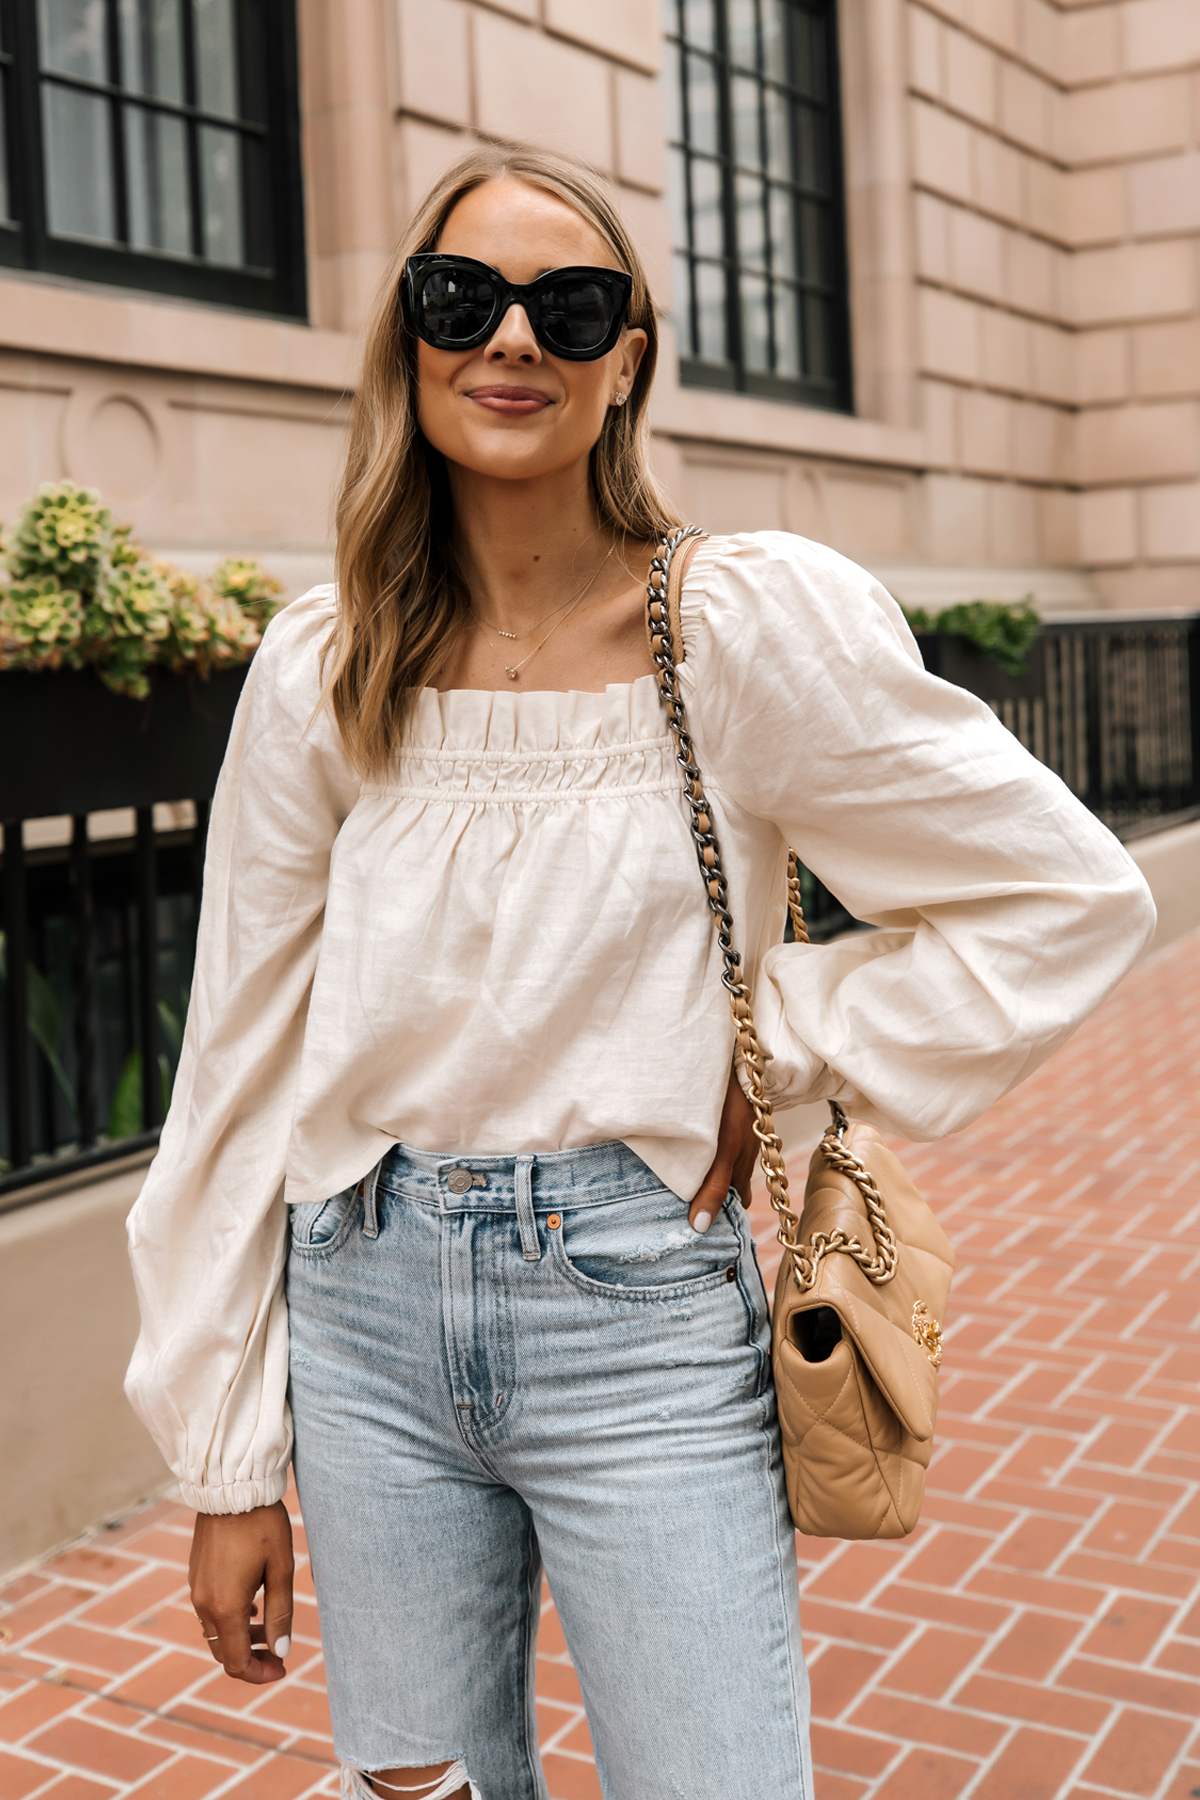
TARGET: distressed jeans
(504,1364)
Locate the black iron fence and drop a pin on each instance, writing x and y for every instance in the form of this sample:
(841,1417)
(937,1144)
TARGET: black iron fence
(98,928)
(98,942)
(1112,704)
(99,932)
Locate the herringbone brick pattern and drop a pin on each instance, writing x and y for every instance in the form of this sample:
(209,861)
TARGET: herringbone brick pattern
(1038,1638)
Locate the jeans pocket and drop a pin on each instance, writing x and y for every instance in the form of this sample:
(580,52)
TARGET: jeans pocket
(320,1226)
(645,1248)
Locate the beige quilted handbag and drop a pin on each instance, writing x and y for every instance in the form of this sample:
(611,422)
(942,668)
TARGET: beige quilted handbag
(856,1331)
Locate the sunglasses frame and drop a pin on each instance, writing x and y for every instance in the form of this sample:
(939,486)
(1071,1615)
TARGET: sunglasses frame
(508,293)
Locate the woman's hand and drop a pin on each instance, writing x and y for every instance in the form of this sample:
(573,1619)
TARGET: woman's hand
(233,1555)
(733,1165)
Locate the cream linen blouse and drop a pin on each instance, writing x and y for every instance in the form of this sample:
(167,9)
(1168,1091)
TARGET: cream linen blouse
(502,944)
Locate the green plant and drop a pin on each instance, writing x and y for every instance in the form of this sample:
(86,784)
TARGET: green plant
(81,593)
(1003,630)
(208,629)
(129,618)
(190,626)
(66,532)
(42,623)
(45,1021)
(243,578)
(125,1115)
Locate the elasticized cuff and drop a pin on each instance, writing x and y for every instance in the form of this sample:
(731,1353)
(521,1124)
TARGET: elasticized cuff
(234,1496)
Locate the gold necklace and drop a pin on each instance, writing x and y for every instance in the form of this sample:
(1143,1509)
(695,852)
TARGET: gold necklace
(516,636)
(515,670)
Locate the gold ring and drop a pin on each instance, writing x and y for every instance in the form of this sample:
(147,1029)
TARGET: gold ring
(214,1639)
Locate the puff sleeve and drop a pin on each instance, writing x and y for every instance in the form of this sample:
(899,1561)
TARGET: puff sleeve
(208,1233)
(1006,910)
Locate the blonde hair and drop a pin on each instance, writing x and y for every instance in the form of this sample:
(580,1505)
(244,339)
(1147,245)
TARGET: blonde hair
(402,598)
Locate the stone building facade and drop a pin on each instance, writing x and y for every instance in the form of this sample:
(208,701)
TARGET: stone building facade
(1021,188)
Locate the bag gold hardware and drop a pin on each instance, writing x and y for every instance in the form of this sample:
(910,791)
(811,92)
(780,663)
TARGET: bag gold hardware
(856,1408)
(927,1332)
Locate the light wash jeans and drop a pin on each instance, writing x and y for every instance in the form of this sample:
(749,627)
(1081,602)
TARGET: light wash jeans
(546,1368)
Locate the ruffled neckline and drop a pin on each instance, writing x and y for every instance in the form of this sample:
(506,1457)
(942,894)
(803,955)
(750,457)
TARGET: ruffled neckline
(503,720)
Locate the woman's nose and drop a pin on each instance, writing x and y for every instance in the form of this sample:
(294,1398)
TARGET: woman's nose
(513,339)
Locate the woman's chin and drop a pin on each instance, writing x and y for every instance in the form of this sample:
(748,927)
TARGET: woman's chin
(514,460)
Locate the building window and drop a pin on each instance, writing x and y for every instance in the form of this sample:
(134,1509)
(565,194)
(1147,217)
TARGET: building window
(756,195)
(154,143)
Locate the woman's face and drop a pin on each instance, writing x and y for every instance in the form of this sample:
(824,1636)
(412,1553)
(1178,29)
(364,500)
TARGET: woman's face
(510,409)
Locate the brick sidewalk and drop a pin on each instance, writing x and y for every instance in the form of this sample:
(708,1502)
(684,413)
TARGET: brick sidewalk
(1038,1638)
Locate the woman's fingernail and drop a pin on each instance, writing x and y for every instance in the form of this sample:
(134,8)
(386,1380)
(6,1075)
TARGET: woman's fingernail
(282,1646)
(702,1221)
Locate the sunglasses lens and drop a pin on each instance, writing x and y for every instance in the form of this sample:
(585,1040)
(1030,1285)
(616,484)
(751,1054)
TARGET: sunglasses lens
(457,305)
(576,314)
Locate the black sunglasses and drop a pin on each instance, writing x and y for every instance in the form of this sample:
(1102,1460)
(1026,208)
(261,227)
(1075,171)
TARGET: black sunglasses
(455,303)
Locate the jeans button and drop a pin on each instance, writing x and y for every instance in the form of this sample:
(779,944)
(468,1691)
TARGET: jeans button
(459,1181)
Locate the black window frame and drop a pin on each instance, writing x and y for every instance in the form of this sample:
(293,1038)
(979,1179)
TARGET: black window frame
(832,391)
(26,241)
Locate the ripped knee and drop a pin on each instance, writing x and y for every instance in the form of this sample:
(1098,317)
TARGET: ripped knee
(448,1782)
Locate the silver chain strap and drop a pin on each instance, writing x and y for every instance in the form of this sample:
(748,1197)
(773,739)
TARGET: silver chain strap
(880,1264)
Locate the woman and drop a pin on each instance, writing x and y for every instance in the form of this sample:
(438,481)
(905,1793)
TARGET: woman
(456,971)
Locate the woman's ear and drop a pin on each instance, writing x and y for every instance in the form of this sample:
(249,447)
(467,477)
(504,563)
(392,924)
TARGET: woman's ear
(632,349)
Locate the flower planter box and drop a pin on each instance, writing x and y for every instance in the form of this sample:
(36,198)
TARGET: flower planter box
(67,745)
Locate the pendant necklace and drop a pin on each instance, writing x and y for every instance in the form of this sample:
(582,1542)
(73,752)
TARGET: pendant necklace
(516,636)
(570,606)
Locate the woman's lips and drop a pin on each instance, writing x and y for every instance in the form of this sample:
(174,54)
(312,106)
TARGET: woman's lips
(515,401)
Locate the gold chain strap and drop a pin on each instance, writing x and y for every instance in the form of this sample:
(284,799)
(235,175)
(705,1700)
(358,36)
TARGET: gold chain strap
(806,1258)
(795,899)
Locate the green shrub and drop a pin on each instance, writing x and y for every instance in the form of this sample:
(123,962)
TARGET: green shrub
(243,578)
(207,630)
(1003,630)
(65,533)
(125,626)
(42,623)
(81,593)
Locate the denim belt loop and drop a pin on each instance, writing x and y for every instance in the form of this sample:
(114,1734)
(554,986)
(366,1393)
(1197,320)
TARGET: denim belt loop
(531,1248)
(370,1206)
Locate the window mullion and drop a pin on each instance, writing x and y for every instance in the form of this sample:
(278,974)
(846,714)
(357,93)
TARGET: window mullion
(799,193)
(191,127)
(839,274)
(688,196)
(26,170)
(150,128)
(112,33)
(242,32)
(764,158)
(733,307)
(690,255)
(685,115)
(8,141)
